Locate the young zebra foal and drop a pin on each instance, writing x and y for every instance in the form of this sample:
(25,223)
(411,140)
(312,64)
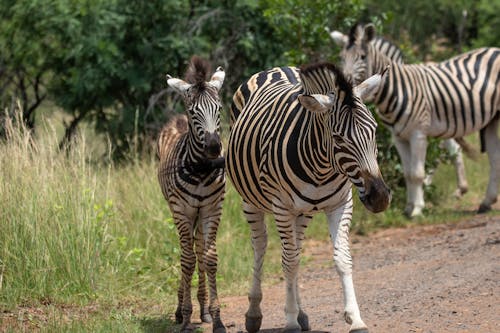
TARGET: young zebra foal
(191,176)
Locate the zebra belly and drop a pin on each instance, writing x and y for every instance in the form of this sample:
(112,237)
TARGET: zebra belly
(301,198)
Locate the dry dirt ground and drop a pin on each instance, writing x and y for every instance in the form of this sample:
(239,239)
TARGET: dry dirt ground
(434,278)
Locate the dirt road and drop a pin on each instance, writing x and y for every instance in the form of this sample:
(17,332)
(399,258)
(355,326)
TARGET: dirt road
(439,278)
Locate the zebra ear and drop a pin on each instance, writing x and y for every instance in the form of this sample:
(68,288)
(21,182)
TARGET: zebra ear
(367,89)
(369,33)
(218,78)
(179,85)
(317,102)
(339,38)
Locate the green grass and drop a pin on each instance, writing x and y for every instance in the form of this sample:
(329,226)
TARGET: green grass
(87,246)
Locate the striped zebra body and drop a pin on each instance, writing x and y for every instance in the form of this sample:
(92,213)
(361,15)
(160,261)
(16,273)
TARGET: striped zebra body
(299,139)
(391,50)
(192,180)
(394,53)
(450,99)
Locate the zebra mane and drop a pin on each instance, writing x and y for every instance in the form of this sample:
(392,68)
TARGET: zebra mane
(324,78)
(197,72)
(357,34)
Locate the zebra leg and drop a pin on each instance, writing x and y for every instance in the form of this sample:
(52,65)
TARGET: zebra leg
(202,286)
(455,151)
(180,294)
(403,148)
(339,222)
(418,146)
(290,258)
(255,218)
(188,264)
(210,217)
(493,149)
(302,222)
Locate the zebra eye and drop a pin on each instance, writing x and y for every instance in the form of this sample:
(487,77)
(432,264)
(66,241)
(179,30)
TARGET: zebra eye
(363,57)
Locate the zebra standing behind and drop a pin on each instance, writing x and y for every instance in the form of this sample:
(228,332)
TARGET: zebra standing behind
(298,141)
(191,177)
(393,52)
(450,99)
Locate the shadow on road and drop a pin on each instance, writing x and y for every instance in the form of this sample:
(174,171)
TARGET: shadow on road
(279,330)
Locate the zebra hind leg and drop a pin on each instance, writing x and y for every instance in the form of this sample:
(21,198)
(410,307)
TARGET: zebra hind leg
(202,286)
(211,217)
(455,151)
(493,149)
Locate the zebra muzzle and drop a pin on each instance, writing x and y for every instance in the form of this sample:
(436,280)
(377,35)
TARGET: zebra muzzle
(213,146)
(377,195)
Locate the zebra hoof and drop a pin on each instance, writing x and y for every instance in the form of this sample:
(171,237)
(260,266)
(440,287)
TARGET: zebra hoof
(206,318)
(359,330)
(459,192)
(292,330)
(178,316)
(218,327)
(252,324)
(303,320)
(220,330)
(188,328)
(483,209)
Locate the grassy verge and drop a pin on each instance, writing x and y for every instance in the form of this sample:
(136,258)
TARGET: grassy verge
(90,246)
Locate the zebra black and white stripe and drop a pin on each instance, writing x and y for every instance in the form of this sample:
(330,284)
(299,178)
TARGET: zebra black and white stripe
(191,177)
(449,99)
(299,139)
(394,53)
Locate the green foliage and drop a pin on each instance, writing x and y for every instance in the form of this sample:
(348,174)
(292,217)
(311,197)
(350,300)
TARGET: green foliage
(488,21)
(300,26)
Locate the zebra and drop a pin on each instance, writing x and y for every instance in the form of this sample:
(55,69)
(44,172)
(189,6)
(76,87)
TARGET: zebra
(449,99)
(393,52)
(299,138)
(192,180)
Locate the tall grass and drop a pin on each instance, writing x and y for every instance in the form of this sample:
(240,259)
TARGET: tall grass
(73,229)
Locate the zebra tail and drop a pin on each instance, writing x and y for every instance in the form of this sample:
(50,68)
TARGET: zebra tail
(469,149)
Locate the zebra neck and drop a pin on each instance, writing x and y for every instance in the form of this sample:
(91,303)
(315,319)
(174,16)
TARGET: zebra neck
(379,61)
(316,147)
(193,152)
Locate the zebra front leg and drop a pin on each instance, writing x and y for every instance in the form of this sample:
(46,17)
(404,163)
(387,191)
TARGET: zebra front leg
(202,295)
(180,296)
(255,218)
(339,222)
(493,149)
(404,151)
(188,264)
(211,216)
(455,151)
(302,222)
(290,258)
(418,148)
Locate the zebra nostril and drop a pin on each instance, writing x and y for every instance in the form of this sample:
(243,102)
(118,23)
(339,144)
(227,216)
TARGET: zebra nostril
(213,145)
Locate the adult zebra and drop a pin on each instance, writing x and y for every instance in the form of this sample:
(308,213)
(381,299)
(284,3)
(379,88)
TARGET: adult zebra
(298,141)
(192,179)
(393,52)
(449,99)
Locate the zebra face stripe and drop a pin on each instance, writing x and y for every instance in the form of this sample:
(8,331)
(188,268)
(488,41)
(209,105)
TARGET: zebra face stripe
(355,153)
(203,111)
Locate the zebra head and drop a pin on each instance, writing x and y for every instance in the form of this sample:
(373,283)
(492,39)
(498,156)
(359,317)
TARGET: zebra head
(356,52)
(349,128)
(202,102)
